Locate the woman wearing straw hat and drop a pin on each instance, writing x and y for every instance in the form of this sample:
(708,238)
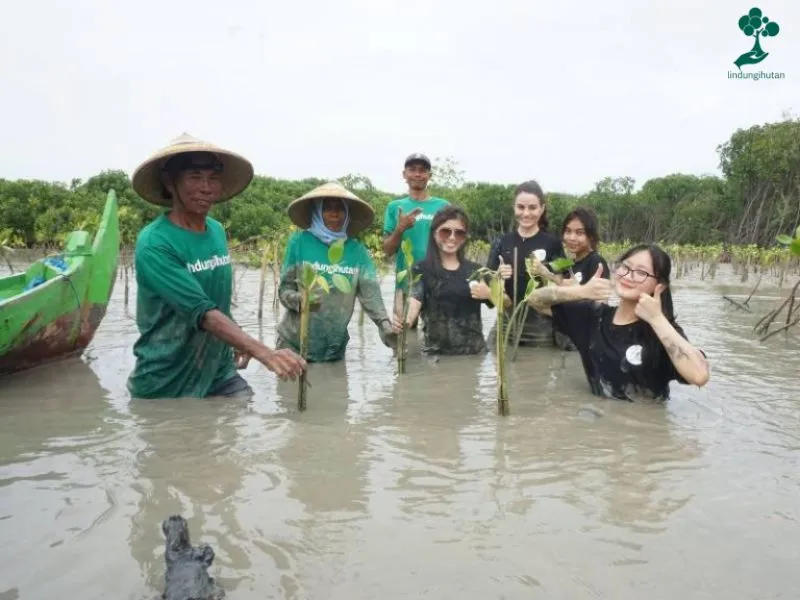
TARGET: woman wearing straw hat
(184,278)
(327,214)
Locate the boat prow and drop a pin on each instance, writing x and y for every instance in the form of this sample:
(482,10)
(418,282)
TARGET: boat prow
(53,309)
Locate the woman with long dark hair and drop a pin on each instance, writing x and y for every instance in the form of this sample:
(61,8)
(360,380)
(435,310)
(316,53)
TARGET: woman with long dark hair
(531,240)
(449,303)
(634,350)
(580,237)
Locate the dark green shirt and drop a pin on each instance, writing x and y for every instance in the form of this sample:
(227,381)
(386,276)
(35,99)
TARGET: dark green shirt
(180,275)
(328,336)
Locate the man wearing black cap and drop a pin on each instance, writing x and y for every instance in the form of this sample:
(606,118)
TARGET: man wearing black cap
(409,218)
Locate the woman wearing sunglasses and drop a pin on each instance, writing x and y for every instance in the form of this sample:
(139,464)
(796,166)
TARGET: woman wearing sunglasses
(450,306)
(634,350)
(531,240)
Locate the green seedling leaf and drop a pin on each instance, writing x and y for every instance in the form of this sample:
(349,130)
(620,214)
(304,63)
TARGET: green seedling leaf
(405,246)
(795,247)
(342,283)
(336,251)
(323,283)
(784,239)
(401,276)
(797,232)
(532,285)
(309,274)
(561,264)
(416,278)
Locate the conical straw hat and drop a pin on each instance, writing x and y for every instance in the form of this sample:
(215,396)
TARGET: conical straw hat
(237,171)
(361,213)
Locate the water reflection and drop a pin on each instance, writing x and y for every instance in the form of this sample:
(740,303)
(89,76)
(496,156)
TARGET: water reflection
(60,443)
(189,464)
(411,485)
(421,433)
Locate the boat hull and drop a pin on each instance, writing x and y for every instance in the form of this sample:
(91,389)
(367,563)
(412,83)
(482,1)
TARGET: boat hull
(67,336)
(58,317)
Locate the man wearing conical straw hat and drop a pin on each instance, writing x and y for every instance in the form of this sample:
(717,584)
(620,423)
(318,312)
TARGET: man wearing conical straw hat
(327,214)
(188,344)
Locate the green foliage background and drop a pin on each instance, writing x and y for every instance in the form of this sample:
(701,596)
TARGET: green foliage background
(756,198)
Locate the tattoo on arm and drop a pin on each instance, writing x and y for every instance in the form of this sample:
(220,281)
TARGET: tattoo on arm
(674,350)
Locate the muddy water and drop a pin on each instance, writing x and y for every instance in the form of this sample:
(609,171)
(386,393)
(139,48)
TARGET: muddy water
(408,487)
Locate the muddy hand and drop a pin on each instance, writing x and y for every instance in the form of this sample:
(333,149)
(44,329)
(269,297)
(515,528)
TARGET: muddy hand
(397,323)
(480,291)
(537,267)
(285,363)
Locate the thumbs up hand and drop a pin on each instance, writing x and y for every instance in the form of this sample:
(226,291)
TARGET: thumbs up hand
(506,271)
(598,288)
(649,307)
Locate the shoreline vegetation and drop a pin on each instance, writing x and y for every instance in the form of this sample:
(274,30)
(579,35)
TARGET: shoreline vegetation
(701,221)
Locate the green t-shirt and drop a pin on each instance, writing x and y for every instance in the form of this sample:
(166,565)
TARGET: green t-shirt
(180,275)
(328,336)
(419,233)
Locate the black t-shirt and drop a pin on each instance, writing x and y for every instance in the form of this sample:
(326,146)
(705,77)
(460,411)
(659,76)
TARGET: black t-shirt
(504,247)
(626,362)
(451,316)
(585,268)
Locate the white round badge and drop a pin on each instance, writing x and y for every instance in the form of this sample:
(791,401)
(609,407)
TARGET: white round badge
(579,277)
(634,355)
(540,254)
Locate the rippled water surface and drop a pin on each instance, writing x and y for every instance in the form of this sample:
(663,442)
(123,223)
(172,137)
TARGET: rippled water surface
(412,486)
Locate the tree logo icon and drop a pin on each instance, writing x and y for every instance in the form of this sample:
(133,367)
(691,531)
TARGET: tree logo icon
(755,24)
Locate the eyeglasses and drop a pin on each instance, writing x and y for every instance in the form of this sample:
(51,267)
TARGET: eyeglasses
(637,275)
(446,232)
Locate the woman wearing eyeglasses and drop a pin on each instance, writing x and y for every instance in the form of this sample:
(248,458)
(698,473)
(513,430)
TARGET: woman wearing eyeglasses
(450,307)
(634,350)
(530,239)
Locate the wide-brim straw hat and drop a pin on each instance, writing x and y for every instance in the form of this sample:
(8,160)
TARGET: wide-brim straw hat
(361,213)
(237,171)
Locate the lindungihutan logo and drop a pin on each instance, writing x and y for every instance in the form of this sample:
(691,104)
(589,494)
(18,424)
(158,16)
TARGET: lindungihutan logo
(757,25)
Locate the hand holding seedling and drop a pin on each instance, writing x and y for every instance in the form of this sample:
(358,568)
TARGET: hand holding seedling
(407,221)
(537,267)
(480,291)
(397,323)
(649,307)
(506,271)
(284,363)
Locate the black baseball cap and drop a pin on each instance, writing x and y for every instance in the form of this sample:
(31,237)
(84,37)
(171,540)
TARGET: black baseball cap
(417,157)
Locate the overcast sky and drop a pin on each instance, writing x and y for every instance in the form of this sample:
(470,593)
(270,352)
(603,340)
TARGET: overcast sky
(565,92)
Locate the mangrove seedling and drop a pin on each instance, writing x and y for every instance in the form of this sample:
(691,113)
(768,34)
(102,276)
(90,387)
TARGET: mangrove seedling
(312,285)
(498,297)
(790,303)
(559,265)
(407,279)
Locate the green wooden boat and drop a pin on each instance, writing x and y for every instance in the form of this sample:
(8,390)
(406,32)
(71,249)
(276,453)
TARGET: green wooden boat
(53,309)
